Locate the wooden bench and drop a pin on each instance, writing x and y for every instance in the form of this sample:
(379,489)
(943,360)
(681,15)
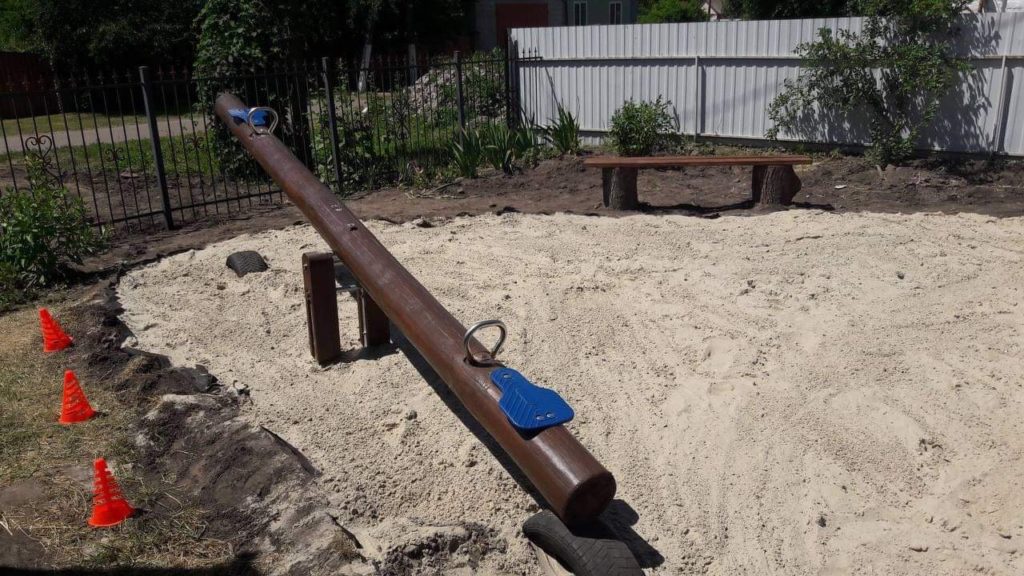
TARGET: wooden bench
(774,182)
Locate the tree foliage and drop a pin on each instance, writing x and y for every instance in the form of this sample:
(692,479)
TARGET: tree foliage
(663,11)
(783,9)
(17,25)
(110,34)
(893,73)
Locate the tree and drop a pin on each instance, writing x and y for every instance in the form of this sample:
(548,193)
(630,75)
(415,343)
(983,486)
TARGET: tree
(894,72)
(114,34)
(783,9)
(17,25)
(662,11)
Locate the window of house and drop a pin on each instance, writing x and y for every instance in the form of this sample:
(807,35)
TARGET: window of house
(615,13)
(579,13)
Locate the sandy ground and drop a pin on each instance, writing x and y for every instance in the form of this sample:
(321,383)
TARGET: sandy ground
(795,393)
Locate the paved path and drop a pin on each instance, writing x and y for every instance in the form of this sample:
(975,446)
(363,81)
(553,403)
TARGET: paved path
(115,133)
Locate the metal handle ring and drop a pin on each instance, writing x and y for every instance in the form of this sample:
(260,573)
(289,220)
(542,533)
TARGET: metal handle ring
(261,129)
(493,351)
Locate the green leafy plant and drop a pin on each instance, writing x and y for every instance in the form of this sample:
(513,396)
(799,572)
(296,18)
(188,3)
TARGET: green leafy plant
(499,146)
(43,230)
(504,148)
(466,154)
(564,134)
(893,73)
(642,128)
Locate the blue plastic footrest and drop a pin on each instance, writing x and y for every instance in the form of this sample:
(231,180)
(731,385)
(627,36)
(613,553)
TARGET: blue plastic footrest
(259,117)
(528,406)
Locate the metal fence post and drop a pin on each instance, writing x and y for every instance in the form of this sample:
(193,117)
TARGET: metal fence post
(328,68)
(1004,89)
(510,57)
(698,109)
(154,140)
(460,97)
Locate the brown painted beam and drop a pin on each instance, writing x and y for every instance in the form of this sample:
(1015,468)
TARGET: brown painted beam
(574,483)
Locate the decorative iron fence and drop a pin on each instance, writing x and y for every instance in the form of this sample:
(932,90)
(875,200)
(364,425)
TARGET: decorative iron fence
(143,150)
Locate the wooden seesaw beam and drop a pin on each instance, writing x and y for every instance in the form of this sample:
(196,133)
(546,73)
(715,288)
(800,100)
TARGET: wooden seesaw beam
(571,480)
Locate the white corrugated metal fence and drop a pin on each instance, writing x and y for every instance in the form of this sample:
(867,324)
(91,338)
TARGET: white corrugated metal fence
(720,78)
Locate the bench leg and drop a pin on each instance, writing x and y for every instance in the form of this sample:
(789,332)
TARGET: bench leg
(774,185)
(622,189)
(606,186)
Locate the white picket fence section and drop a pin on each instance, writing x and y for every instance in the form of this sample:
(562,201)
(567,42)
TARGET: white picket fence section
(721,77)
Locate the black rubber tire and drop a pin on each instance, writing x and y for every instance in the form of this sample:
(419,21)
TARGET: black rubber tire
(247,262)
(590,551)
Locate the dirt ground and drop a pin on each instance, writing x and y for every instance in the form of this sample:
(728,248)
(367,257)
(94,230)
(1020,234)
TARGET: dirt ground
(835,183)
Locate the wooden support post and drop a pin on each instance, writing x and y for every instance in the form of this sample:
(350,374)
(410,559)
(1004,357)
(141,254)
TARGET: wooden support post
(622,189)
(774,185)
(321,307)
(374,326)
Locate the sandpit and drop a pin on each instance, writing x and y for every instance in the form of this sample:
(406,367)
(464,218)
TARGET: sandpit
(794,393)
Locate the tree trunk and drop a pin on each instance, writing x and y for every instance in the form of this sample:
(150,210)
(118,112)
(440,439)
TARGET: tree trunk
(620,188)
(774,185)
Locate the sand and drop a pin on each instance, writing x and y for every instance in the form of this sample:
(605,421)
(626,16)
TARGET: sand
(794,393)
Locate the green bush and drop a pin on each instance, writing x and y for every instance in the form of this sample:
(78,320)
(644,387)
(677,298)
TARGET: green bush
(642,128)
(894,72)
(564,134)
(43,230)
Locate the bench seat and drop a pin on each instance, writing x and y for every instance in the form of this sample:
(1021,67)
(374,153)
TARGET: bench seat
(774,182)
(682,161)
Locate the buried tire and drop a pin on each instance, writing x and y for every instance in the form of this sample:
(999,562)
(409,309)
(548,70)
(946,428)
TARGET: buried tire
(246,262)
(591,551)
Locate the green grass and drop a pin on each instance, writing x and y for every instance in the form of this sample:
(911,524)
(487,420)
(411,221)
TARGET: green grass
(186,154)
(56,460)
(70,121)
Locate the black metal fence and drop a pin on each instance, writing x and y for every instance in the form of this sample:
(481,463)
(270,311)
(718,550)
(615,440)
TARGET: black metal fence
(356,126)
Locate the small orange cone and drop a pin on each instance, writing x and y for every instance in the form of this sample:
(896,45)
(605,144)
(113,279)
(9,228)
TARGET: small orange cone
(75,407)
(54,338)
(109,508)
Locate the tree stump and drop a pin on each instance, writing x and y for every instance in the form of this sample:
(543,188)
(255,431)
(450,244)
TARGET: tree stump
(774,185)
(619,188)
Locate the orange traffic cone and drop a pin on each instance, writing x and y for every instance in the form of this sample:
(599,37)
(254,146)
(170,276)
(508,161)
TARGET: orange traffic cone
(54,338)
(109,508)
(74,407)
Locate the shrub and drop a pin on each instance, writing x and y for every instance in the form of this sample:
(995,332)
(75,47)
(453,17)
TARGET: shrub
(564,134)
(43,230)
(894,71)
(641,128)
